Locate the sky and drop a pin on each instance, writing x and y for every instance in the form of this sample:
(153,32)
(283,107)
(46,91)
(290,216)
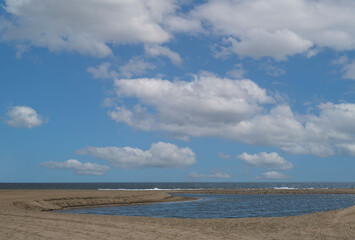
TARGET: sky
(177,90)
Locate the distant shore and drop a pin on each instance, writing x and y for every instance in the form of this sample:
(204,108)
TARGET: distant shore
(26,214)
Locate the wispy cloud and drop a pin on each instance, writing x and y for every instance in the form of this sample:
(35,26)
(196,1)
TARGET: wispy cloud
(347,67)
(271,69)
(157,50)
(269,160)
(273,176)
(78,167)
(136,66)
(102,71)
(224,156)
(217,174)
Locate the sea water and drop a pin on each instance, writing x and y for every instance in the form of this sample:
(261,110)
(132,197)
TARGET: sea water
(180,185)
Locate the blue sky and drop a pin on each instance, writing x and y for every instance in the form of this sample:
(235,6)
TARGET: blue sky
(134,90)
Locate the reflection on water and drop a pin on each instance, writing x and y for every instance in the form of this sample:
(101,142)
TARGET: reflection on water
(232,206)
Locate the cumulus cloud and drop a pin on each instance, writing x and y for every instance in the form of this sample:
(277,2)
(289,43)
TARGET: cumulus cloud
(269,160)
(258,43)
(23,116)
(237,110)
(161,155)
(87,26)
(277,28)
(253,28)
(215,174)
(273,176)
(156,50)
(78,167)
(182,106)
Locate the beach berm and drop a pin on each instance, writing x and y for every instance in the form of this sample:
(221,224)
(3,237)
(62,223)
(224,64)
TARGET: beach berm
(28,214)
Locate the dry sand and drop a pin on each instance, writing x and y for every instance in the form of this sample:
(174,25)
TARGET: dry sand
(24,214)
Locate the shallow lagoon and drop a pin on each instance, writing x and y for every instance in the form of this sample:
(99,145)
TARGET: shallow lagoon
(231,206)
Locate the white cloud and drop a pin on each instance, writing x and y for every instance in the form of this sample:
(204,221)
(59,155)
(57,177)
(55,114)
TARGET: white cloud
(161,155)
(269,160)
(273,176)
(224,156)
(258,43)
(183,106)
(184,24)
(348,67)
(102,71)
(78,167)
(20,49)
(349,71)
(271,69)
(135,67)
(237,110)
(23,116)
(238,72)
(347,148)
(108,102)
(278,28)
(215,174)
(87,26)
(156,50)
(341,60)
(254,28)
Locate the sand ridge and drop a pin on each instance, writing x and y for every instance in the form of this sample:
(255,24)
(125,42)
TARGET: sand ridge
(24,215)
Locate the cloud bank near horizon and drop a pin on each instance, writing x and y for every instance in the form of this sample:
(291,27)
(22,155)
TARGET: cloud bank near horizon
(216,174)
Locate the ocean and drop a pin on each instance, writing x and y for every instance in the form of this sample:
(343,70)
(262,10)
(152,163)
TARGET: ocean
(180,185)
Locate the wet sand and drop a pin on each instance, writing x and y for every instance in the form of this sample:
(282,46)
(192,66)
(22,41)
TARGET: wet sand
(27,214)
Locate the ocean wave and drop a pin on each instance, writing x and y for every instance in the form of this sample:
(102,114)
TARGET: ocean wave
(147,189)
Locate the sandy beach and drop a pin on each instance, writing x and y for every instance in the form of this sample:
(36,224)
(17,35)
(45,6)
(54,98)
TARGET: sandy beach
(27,214)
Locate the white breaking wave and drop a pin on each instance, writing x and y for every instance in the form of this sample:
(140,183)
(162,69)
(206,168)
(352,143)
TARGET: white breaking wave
(147,189)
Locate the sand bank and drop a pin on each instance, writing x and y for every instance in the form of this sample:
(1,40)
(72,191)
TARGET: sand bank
(24,214)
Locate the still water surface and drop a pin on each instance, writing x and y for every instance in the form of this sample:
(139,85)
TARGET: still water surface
(231,206)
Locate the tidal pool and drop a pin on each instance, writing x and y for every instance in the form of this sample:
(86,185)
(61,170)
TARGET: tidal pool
(231,206)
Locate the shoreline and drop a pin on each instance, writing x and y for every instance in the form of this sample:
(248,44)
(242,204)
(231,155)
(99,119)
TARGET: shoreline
(28,214)
(268,191)
(135,197)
